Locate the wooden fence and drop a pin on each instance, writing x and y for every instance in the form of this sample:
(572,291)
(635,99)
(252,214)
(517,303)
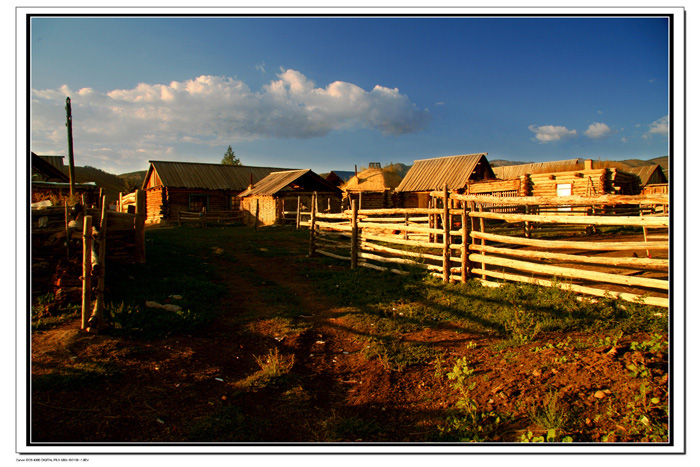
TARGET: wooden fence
(101,235)
(209,217)
(470,236)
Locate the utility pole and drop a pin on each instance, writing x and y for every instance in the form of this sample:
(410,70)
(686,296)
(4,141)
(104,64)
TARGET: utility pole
(71,165)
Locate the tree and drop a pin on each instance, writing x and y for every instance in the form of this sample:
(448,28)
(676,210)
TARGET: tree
(230,158)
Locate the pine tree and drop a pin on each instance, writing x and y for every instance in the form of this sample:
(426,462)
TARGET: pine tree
(230,158)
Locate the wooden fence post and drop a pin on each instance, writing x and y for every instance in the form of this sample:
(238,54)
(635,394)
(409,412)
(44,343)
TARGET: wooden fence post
(483,241)
(353,240)
(298,211)
(466,265)
(96,320)
(140,226)
(446,235)
(87,269)
(257,213)
(405,232)
(313,225)
(65,204)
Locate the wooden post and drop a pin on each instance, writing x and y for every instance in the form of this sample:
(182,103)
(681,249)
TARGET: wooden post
(65,203)
(204,217)
(179,218)
(312,226)
(71,164)
(465,244)
(644,229)
(446,236)
(257,213)
(87,269)
(353,240)
(405,233)
(96,320)
(360,197)
(483,241)
(298,211)
(526,227)
(119,203)
(140,226)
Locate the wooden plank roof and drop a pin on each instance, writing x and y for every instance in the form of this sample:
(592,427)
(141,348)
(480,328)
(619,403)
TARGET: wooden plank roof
(433,174)
(207,176)
(280,181)
(644,172)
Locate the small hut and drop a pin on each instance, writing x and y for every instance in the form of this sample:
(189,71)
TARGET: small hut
(372,188)
(275,198)
(189,186)
(426,175)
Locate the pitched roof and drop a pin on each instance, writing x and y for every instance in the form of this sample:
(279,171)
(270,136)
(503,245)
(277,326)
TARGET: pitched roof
(47,166)
(207,176)
(373,179)
(646,171)
(280,181)
(432,174)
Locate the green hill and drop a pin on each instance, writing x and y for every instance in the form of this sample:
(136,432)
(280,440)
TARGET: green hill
(111,184)
(133,180)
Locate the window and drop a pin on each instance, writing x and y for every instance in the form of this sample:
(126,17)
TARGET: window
(198,202)
(564,189)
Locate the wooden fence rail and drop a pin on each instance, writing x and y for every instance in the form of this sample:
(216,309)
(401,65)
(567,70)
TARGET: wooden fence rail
(463,239)
(210,217)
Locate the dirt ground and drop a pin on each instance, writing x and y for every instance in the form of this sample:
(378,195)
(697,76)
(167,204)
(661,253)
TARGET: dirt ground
(187,388)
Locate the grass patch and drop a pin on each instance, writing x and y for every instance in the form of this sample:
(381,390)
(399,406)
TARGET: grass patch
(74,377)
(274,371)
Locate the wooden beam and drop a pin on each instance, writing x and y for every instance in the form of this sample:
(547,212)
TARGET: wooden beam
(571,273)
(569,244)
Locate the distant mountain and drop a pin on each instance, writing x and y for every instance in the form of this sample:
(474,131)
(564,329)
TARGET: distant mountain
(505,163)
(111,184)
(399,168)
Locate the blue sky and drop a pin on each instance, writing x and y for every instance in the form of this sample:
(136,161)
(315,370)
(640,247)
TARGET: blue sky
(328,93)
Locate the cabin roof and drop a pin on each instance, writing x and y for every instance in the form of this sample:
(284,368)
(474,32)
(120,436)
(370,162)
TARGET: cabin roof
(432,174)
(207,176)
(644,172)
(280,181)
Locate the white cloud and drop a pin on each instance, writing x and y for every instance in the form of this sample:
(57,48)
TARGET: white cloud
(659,127)
(598,131)
(216,110)
(550,133)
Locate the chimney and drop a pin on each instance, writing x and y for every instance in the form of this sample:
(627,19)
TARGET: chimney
(588,164)
(251,181)
(355,170)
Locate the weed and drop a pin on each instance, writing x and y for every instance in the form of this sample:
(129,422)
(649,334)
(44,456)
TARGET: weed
(466,423)
(549,416)
(274,370)
(655,344)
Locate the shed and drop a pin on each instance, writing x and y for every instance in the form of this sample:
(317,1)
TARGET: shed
(48,169)
(569,177)
(426,175)
(192,186)
(372,188)
(276,197)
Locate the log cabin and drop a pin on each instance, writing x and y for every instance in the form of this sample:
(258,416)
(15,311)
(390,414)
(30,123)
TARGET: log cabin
(275,198)
(191,186)
(427,175)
